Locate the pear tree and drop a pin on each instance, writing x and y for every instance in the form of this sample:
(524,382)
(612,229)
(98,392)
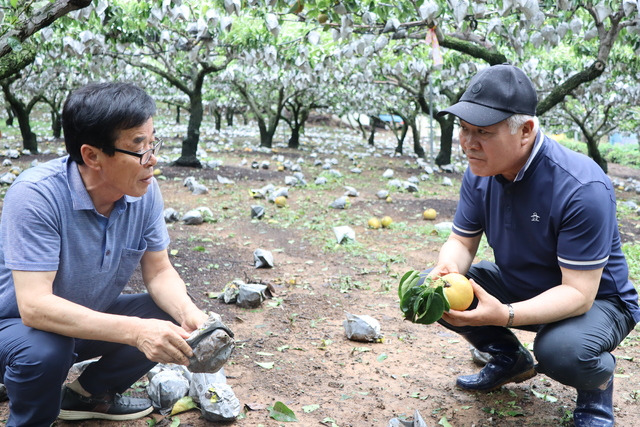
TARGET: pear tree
(181,42)
(485,33)
(285,74)
(40,79)
(20,20)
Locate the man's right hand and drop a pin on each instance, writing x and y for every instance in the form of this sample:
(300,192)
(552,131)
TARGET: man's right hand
(443,268)
(163,342)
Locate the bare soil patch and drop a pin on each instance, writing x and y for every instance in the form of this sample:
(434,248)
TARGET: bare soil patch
(316,281)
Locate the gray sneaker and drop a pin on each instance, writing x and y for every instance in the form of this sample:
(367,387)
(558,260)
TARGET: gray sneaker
(74,406)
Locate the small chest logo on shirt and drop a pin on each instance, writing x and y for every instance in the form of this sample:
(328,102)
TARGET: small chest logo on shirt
(535,217)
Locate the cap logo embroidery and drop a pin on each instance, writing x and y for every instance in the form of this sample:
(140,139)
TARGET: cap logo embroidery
(535,217)
(476,87)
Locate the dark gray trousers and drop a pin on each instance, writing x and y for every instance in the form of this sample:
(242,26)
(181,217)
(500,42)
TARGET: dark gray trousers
(34,364)
(575,351)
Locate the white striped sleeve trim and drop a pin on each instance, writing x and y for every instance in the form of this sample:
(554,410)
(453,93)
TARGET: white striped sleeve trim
(463,231)
(584,263)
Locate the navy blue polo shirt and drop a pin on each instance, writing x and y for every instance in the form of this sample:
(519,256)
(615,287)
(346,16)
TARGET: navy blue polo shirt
(560,211)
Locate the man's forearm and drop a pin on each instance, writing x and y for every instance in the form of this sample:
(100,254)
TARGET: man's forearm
(558,303)
(169,292)
(454,251)
(54,314)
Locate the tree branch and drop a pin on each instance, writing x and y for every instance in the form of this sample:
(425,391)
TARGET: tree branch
(42,18)
(557,95)
(492,57)
(14,61)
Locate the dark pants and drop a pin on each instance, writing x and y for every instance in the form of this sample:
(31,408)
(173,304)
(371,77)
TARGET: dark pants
(34,364)
(575,351)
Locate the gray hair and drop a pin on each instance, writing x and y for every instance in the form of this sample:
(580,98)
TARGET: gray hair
(518,120)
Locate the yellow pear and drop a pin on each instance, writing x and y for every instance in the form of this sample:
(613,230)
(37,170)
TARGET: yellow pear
(280,201)
(458,291)
(374,223)
(429,214)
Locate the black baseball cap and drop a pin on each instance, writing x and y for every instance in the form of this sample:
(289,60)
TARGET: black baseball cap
(495,94)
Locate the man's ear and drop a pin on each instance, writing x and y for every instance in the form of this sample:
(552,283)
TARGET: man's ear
(528,132)
(90,155)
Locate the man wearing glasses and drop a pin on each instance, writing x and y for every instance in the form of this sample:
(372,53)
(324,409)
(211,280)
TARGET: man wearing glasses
(72,232)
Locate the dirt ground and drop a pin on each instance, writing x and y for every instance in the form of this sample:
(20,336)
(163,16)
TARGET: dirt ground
(323,377)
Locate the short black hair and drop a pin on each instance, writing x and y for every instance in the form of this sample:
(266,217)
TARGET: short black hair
(94,114)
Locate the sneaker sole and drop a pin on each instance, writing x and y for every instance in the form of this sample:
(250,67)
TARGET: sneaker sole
(87,415)
(516,379)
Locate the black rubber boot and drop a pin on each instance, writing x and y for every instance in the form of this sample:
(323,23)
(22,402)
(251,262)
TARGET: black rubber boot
(594,408)
(510,361)
(480,358)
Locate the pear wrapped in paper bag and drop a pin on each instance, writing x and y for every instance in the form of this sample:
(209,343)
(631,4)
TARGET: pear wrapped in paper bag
(212,346)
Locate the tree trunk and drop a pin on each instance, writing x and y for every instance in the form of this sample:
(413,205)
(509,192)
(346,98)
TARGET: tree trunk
(594,153)
(21,112)
(275,119)
(372,124)
(402,136)
(266,138)
(177,114)
(361,127)
(56,124)
(446,128)
(591,137)
(188,157)
(446,139)
(29,140)
(417,147)
(190,143)
(9,121)
(294,140)
(300,119)
(218,119)
(267,130)
(229,116)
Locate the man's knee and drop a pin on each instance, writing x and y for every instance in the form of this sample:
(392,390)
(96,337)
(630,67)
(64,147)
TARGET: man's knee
(34,372)
(42,355)
(557,356)
(569,360)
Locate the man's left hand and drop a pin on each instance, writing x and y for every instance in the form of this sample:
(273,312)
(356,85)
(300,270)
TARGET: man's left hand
(194,320)
(489,311)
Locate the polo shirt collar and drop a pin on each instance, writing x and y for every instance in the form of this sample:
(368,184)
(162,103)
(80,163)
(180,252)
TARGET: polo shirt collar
(536,148)
(79,194)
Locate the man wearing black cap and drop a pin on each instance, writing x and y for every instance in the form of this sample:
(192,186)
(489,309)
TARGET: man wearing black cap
(549,215)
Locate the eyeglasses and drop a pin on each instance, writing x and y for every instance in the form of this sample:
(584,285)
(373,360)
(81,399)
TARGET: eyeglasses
(144,156)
